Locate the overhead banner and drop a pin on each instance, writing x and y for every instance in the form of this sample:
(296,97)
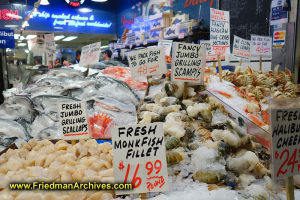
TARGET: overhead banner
(90,54)
(279,39)
(261,46)
(285,139)
(219,31)
(73,120)
(278,14)
(242,48)
(188,62)
(7,39)
(140,158)
(147,62)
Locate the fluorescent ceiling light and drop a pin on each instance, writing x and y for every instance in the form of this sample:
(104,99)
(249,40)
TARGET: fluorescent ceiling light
(26,51)
(104,47)
(13,16)
(11,26)
(44,2)
(59,37)
(99,0)
(29,37)
(16,36)
(70,38)
(22,44)
(18,4)
(85,10)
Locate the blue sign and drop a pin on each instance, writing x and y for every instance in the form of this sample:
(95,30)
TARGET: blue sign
(7,39)
(52,19)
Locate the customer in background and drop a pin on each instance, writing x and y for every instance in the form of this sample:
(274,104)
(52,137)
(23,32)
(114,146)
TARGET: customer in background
(77,60)
(107,55)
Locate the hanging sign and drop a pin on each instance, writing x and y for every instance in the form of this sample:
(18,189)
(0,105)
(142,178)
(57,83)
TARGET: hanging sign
(241,48)
(188,62)
(7,39)
(279,39)
(285,141)
(50,49)
(219,31)
(147,62)
(73,120)
(278,14)
(75,3)
(261,46)
(167,45)
(90,54)
(140,158)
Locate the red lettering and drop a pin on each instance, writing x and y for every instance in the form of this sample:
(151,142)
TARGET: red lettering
(188,3)
(75,4)
(4,16)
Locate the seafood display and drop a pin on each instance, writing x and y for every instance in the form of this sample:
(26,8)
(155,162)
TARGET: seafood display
(45,161)
(255,86)
(32,112)
(204,146)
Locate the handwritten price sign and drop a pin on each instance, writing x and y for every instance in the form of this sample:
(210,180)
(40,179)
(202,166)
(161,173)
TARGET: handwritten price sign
(140,158)
(286,140)
(90,54)
(147,62)
(261,46)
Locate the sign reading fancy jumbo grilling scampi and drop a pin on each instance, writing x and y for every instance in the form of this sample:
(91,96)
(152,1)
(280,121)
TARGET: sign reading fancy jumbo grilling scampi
(140,158)
(188,62)
(73,120)
(285,140)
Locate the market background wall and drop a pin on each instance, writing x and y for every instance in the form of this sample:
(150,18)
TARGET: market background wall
(197,9)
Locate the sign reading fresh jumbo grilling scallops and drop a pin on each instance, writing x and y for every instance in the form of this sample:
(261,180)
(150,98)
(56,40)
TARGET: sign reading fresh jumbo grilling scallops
(73,120)
(188,62)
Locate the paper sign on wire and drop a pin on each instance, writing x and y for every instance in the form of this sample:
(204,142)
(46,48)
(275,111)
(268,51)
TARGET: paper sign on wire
(167,44)
(90,54)
(73,120)
(219,31)
(140,158)
(285,126)
(241,48)
(188,62)
(147,62)
(261,46)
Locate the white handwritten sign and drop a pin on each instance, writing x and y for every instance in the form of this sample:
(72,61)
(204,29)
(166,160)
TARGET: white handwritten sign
(219,31)
(90,54)
(73,120)
(147,62)
(167,44)
(261,46)
(50,48)
(140,158)
(285,142)
(241,48)
(188,62)
(210,56)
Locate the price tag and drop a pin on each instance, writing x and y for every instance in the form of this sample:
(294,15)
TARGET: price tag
(147,62)
(285,142)
(140,158)
(90,54)
(73,120)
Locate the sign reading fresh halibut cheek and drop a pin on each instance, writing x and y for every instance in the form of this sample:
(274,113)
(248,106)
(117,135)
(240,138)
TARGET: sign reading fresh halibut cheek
(140,158)
(188,62)
(286,142)
(73,120)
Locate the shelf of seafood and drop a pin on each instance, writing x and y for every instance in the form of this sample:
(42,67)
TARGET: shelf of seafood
(210,154)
